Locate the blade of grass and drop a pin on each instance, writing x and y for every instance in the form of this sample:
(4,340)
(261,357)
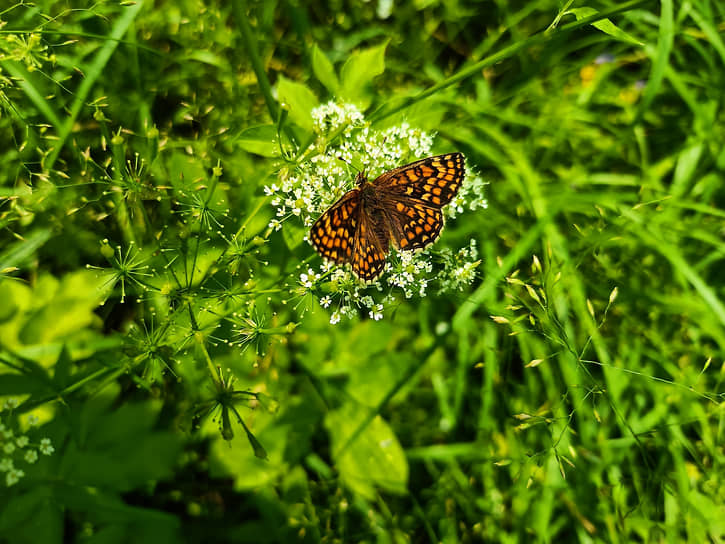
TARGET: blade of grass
(92,74)
(25,82)
(661,59)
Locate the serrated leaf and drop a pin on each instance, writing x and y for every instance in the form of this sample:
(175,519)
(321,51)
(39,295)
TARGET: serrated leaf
(358,72)
(324,71)
(298,100)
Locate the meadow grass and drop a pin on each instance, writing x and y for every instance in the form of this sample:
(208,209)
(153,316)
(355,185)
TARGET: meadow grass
(176,362)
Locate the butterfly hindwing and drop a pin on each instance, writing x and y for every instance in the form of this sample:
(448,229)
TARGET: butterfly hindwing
(370,249)
(414,225)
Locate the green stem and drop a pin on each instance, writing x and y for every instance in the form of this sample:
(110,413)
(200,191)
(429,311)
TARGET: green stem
(250,44)
(209,364)
(109,373)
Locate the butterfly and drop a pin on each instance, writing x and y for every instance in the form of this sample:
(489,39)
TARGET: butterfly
(402,206)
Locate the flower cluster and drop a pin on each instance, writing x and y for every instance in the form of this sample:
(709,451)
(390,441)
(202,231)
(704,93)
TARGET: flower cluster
(347,144)
(16,448)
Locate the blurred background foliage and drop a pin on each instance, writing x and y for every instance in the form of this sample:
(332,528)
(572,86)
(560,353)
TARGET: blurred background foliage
(574,393)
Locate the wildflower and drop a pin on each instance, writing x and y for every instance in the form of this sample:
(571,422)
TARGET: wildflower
(346,144)
(46,448)
(13,476)
(13,450)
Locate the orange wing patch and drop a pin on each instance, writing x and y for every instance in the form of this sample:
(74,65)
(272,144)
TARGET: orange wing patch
(333,234)
(416,225)
(434,180)
(368,257)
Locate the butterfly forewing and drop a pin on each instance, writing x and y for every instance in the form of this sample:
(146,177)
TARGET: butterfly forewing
(434,181)
(333,234)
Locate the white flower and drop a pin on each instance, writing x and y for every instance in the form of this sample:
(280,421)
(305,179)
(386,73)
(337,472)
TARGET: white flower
(11,403)
(335,318)
(21,441)
(9,448)
(377,312)
(46,448)
(31,456)
(6,464)
(325,301)
(13,476)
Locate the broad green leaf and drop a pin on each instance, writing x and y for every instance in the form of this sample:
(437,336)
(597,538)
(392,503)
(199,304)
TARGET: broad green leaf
(260,140)
(605,25)
(51,312)
(298,100)
(375,459)
(31,517)
(119,448)
(359,71)
(324,71)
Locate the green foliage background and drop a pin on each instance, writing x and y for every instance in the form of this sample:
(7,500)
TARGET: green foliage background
(575,393)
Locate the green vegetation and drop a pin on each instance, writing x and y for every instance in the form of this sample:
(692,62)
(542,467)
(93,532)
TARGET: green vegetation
(177,363)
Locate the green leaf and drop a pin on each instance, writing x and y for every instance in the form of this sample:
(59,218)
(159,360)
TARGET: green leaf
(687,163)
(260,140)
(119,448)
(661,59)
(359,71)
(237,459)
(298,100)
(293,234)
(19,253)
(324,71)
(605,25)
(375,459)
(32,517)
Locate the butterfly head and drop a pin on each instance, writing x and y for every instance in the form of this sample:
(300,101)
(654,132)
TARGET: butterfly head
(361,179)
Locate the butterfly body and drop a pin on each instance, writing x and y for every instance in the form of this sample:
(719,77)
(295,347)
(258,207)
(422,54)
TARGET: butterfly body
(402,206)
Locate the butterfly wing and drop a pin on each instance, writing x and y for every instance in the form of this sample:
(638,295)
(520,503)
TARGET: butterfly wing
(333,234)
(413,225)
(371,246)
(433,181)
(414,194)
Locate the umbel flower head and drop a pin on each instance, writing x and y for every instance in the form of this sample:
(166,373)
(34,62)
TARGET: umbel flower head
(346,143)
(17,450)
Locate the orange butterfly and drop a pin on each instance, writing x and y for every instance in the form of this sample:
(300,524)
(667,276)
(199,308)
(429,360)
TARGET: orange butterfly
(402,205)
